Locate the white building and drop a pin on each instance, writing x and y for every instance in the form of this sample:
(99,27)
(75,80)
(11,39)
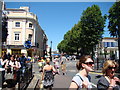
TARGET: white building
(107,48)
(23,26)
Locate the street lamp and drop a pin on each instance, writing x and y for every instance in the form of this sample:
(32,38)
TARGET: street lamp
(51,51)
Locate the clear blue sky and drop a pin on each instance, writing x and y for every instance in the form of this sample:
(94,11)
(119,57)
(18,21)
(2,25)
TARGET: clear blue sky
(56,18)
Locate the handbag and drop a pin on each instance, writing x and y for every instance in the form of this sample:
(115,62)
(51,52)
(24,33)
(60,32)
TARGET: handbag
(9,76)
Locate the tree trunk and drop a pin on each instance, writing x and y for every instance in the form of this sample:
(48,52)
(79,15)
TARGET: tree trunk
(77,51)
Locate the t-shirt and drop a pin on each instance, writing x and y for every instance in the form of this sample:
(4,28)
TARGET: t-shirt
(78,79)
(103,84)
(63,59)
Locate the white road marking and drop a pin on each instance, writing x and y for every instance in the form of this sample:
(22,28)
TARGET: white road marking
(94,85)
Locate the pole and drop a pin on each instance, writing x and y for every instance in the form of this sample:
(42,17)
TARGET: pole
(119,43)
(1,29)
(51,51)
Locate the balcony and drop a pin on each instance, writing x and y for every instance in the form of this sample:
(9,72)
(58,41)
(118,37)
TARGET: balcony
(15,43)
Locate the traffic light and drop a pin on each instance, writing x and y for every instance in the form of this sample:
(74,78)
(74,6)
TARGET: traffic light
(4,29)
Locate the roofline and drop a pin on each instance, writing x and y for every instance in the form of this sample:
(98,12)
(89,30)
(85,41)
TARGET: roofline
(109,38)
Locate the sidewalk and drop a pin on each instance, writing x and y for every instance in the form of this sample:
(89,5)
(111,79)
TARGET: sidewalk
(36,78)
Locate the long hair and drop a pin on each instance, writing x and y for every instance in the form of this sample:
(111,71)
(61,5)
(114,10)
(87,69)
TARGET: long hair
(82,60)
(108,63)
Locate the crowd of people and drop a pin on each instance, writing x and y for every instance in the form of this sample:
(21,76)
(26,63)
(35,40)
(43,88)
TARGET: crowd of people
(49,70)
(108,81)
(12,66)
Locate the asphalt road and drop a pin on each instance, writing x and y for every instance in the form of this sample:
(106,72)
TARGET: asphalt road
(63,81)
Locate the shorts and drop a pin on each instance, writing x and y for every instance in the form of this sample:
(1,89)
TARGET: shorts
(63,67)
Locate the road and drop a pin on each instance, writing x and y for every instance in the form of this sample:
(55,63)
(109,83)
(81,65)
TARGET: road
(63,81)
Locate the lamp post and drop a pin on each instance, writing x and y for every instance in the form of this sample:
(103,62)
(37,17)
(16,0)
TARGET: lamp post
(51,51)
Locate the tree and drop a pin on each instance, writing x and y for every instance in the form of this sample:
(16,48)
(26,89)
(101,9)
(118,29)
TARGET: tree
(92,24)
(114,23)
(71,44)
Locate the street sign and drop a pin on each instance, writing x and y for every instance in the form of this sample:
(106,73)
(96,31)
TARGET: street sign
(27,44)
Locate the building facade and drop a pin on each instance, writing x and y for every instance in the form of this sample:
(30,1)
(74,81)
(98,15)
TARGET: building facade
(107,48)
(23,26)
(1,4)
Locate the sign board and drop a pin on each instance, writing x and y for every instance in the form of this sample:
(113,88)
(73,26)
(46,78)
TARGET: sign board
(27,44)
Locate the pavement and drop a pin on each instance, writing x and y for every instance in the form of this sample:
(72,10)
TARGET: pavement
(37,77)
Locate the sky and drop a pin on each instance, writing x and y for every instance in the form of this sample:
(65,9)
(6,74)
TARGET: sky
(56,18)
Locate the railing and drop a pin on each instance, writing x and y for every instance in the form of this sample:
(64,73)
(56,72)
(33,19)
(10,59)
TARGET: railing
(23,78)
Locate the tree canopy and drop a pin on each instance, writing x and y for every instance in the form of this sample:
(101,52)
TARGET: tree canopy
(86,33)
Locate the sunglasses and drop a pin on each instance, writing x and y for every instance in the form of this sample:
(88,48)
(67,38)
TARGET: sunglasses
(111,68)
(89,63)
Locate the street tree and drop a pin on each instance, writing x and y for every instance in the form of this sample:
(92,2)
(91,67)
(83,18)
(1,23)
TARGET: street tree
(75,37)
(92,24)
(71,40)
(66,44)
(114,23)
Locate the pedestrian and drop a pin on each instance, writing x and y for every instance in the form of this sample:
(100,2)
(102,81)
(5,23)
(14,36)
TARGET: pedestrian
(56,64)
(63,64)
(109,81)
(2,67)
(17,59)
(40,65)
(11,67)
(23,61)
(43,61)
(47,75)
(82,79)
(5,56)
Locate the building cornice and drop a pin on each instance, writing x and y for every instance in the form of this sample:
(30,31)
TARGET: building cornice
(109,38)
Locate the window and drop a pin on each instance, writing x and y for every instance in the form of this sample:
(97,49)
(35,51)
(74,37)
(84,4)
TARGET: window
(30,36)
(116,44)
(17,24)
(112,44)
(105,44)
(108,44)
(16,36)
(30,25)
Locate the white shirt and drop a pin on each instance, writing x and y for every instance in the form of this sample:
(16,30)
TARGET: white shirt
(78,79)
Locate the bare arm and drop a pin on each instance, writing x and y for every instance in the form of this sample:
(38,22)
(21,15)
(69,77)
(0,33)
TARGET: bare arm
(73,85)
(54,70)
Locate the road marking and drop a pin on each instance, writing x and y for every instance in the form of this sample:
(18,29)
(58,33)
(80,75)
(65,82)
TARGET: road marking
(41,82)
(96,73)
(72,70)
(94,85)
